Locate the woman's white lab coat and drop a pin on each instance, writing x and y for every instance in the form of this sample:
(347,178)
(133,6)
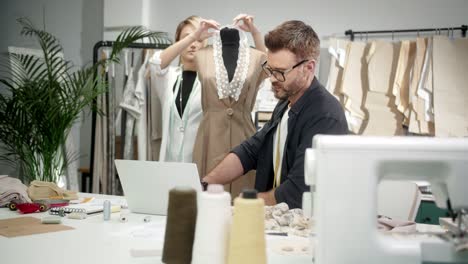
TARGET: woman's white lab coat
(178,134)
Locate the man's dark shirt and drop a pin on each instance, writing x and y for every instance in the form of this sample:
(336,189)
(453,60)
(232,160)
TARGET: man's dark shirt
(316,112)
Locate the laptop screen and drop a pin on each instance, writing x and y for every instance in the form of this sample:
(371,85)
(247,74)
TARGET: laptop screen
(146,184)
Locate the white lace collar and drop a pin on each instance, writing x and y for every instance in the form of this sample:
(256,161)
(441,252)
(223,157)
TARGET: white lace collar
(234,88)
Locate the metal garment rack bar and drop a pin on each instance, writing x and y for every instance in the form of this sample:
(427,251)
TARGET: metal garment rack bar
(351,33)
(97,46)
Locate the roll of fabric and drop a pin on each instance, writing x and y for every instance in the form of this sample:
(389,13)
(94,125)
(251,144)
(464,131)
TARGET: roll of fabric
(213,226)
(180,226)
(247,238)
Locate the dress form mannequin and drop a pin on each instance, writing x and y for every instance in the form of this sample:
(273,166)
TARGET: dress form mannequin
(230,80)
(230,42)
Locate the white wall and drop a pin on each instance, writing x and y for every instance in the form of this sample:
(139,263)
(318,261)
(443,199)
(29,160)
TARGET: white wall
(76,23)
(326,17)
(92,30)
(125,13)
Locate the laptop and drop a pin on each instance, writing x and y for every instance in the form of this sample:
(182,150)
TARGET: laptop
(146,184)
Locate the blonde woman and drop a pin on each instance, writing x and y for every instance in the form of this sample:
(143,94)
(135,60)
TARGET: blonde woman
(179,90)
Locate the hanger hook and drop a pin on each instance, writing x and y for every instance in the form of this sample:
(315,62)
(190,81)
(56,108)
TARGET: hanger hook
(393,35)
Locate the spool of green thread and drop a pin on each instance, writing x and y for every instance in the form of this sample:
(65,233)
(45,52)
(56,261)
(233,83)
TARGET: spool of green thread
(180,226)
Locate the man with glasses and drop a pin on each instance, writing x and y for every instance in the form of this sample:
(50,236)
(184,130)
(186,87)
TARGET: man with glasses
(305,109)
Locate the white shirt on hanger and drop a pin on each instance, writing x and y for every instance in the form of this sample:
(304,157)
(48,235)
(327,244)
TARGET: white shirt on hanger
(140,93)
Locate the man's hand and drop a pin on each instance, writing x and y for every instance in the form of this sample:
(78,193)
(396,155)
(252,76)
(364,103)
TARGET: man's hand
(268,197)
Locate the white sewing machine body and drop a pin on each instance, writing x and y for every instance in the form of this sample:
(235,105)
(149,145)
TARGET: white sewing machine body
(346,170)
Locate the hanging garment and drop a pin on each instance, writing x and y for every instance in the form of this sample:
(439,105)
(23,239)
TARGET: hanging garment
(355,85)
(178,133)
(424,92)
(130,105)
(335,75)
(382,121)
(100,168)
(402,78)
(111,185)
(337,51)
(132,102)
(450,61)
(381,66)
(226,122)
(383,116)
(415,100)
(140,94)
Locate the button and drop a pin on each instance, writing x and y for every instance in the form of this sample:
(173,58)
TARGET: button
(181,129)
(229,111)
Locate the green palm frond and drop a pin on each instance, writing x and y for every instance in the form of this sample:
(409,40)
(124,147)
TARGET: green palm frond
(44,97)
(51,48)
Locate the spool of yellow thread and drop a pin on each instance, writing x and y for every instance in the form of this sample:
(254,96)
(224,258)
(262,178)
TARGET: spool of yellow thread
(180,226)
(247,238)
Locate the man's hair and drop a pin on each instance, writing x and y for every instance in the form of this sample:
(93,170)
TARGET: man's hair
(191,20)
(295,36)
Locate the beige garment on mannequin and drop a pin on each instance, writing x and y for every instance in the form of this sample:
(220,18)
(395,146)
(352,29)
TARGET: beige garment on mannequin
(226,123)
(450,64)
(355,84)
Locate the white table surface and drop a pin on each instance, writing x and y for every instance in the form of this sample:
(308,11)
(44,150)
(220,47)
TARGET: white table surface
(96,241)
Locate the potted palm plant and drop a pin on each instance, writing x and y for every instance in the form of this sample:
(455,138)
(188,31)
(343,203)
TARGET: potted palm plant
(43,97)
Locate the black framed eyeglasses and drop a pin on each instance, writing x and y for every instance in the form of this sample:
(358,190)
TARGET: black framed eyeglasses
(280,75)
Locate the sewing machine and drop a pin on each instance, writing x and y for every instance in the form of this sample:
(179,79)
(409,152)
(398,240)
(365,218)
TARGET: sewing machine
(345,171)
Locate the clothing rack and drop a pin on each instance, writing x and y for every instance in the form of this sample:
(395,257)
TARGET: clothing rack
(97,46)
(351,33)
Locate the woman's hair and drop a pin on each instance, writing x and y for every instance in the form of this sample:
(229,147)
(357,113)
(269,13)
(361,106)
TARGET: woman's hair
(295,36)
(191,20)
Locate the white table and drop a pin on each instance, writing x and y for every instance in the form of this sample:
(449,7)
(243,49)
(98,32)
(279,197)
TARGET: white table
(96,241)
